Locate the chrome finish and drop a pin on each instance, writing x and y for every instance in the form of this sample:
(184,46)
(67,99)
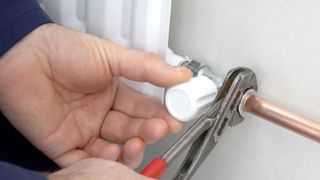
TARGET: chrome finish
(191,135)
(198,69)
(205,133)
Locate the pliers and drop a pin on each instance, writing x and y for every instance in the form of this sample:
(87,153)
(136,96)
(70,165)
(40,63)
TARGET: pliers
(205,133)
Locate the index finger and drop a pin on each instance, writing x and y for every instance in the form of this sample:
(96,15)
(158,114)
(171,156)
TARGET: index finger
(138,105)
(144,67)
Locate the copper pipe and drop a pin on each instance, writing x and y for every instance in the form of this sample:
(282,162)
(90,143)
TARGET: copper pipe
(273,113)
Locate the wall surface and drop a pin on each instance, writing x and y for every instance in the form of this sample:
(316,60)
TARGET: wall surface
(280,41)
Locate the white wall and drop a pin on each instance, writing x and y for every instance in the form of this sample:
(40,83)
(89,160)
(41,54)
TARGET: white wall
(280,41)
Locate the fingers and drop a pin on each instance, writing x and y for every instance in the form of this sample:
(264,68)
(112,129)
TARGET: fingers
(102,149)
(136,104)
(119,127)
(132,153)
(144,67)
(98,148)
(96,168)
(71,157)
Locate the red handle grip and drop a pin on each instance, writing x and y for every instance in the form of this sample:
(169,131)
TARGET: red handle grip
(155,169)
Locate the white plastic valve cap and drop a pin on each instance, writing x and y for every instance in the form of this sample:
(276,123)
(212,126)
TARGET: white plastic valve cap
(189,100)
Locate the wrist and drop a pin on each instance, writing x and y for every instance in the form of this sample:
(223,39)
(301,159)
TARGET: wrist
(53,176)
(35,40)
(33,47)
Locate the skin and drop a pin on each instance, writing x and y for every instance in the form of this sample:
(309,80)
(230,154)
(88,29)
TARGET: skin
(87,170)
(60,89)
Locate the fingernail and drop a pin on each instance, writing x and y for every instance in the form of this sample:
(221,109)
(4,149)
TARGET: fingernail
(187,74)
(177,129)
(177,68)
(140,155)
(139,159)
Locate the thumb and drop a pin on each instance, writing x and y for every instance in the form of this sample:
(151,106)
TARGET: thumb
(143,66)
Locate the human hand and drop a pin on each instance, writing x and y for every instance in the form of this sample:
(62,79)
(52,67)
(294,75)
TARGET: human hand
(94,169)
(60,89)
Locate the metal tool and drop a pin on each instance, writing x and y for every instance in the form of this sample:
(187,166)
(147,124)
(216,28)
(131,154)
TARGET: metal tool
(205,133)
(236,96)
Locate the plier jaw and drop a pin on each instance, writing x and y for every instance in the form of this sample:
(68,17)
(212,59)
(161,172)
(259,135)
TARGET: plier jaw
(205,133)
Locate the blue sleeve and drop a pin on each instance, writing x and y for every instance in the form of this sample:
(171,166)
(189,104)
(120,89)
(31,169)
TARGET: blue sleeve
(10,172)
(17,19)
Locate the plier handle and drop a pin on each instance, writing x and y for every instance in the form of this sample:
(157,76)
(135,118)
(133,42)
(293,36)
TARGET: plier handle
(205,133)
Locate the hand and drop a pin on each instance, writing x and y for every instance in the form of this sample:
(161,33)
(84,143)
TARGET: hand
(60,89)
(93,169)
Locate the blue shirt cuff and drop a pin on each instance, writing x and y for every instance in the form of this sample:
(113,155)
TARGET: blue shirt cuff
(10,172)
(17,19)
